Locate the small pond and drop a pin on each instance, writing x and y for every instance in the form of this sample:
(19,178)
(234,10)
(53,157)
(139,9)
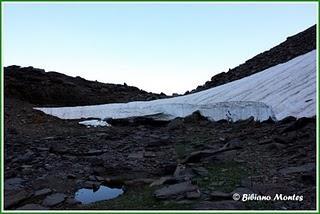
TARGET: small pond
(87,196)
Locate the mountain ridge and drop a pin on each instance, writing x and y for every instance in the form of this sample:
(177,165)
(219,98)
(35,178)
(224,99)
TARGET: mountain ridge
(294,46)
(56,89)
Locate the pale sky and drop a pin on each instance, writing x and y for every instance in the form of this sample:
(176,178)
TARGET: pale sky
(158,47)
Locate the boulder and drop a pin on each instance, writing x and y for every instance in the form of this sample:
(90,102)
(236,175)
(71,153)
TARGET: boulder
(42,192)
(195,117)
(15,198)
(54,199)
(200,171)
(164,180)
(139,182)
(175,191)
(300,123)
(193,195)
(182,172)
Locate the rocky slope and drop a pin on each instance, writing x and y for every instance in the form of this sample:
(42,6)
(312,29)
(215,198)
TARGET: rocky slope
(187,163)
(294,46)
(55,89)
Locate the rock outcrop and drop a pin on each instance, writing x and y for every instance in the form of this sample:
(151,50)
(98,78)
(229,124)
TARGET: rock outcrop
(55,89)
(294,46)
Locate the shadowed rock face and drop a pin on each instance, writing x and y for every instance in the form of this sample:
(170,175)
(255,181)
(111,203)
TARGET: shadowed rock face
(294,46)
(55,89)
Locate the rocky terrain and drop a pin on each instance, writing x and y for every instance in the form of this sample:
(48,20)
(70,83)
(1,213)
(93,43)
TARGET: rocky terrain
(294,46)
(55,89)
(184,163)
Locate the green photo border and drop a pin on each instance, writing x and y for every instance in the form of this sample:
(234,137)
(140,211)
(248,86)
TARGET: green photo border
(156,211)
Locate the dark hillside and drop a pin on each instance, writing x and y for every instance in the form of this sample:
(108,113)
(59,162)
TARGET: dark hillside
(294,46)
(55,89)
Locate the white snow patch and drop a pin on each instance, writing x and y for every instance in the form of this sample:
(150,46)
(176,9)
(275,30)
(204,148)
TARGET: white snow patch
(285,89)
(94,123)
(216,111)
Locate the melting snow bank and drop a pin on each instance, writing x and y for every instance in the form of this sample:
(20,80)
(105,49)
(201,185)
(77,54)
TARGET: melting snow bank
(289,89)
(234,111)
(94,123)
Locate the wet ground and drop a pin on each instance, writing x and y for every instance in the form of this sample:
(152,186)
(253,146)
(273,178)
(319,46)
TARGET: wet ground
(188,163)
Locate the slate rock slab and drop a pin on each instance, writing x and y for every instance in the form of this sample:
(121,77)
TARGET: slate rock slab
(175,191)
(15,198)
(54,199)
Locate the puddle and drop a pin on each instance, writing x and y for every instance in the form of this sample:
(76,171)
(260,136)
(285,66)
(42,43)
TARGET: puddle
(87,196)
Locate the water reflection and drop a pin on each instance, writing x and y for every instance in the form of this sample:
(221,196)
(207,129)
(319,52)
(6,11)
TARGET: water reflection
(87,196)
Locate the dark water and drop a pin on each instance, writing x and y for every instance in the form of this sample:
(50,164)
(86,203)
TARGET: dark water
(87,196)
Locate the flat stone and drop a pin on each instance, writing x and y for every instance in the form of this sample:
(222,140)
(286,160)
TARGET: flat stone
(234,143)
(95,152)
(222,139)
(136,155)
(43,149)
(42,192)
(175,191)
(91,185)
(49,138)
(13,183)
(26,157)
(32,207)
(299,169)
(72,201)
(149,154)
(193,195)
(99,178)
(201,171)
(183,172)
(92,178)
(54,199)
(139,182)
(14,198)
(162,181)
